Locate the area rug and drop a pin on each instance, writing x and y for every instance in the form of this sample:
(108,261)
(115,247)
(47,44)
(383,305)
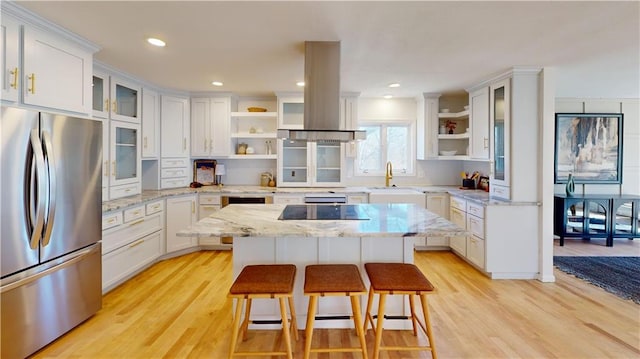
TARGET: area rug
(617,275)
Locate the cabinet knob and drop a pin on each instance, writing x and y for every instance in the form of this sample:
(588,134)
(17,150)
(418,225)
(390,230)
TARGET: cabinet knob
(486,143)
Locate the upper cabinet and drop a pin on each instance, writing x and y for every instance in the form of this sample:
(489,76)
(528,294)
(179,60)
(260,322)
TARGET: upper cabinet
(54,73)
(453,134)
(479,118)
(210,134)
(150,124)
(500,119)
(443,127)
(174,122)
(116,98)
(290,111)
(304,163)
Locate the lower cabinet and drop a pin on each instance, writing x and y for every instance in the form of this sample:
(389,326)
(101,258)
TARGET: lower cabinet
(132,239)
(181,214)
(207,205)
(459,243)
(437,203)
(468,215)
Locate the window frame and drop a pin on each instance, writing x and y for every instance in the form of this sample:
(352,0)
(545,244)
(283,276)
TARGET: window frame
(411,155)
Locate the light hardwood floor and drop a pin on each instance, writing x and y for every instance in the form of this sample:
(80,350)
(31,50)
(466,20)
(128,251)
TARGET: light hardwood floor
(597,247)
(178,309)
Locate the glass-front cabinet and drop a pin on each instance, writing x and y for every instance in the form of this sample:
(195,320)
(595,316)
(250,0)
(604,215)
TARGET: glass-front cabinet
(291,112)
(115,98)
(310,164)
(500,113)
(125,153)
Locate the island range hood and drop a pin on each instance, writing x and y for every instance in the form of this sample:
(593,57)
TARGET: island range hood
(322,96)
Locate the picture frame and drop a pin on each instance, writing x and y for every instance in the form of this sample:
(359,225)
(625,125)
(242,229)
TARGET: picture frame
(204,172)
(589,146)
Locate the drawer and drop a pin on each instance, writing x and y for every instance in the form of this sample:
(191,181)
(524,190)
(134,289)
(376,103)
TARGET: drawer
(124,190)
(288,199)
(209,199)
(174,182)
(475,251)
(459,203)
(133,214)
(205,210)
(111,220)
(475,209)
(119,264)
(475,225)
(174,172)
(458,217)
(500,191)
(117,237)
(155,207)
(174,162)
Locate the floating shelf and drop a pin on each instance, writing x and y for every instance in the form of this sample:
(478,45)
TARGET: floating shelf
(252,157)
(254,135)
(461,114)
(254,114)
(455,136)
(456,157)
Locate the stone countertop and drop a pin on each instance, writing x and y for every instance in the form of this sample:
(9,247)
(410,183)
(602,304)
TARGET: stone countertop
(261,220)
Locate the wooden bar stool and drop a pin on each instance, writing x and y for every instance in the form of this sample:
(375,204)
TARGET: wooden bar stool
(333,280)
(264,281)
(404,279)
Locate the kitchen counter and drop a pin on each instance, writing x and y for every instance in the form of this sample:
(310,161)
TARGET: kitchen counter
(385,220)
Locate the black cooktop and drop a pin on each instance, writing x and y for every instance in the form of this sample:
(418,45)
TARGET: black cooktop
(322,212)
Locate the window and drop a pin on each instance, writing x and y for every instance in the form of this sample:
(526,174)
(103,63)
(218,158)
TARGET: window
(386,141)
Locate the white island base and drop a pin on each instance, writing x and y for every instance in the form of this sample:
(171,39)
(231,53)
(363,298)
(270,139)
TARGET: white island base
(303,251)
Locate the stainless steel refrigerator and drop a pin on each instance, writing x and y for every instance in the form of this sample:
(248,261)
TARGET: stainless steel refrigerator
(51,210)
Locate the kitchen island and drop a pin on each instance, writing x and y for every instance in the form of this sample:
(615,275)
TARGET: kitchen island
(383,233)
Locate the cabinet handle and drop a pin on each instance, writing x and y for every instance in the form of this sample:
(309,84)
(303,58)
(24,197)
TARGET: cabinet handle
(32,78)
(106,168)
(14,84)
(205,144)
(136,222)
(137,212)
(115,107)
(211,145)
(106,105)
(113,169)
(136,243)
(145,141)
(486,143)
(184,143)
(193,207)
(111,220)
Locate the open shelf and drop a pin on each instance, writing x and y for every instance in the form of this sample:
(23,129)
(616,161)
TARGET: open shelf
(255,114)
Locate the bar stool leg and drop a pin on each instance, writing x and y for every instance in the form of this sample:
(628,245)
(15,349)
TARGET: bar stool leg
(367,315)
(413,315)
(425,311)
(236,326)
(285,327)
(357,321)
(245,323)
(378,329)
(311,316)
(294,320)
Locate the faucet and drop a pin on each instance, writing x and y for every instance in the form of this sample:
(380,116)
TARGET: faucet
(389,174)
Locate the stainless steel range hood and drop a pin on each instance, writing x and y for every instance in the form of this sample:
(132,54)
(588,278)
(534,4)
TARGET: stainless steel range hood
(322,96)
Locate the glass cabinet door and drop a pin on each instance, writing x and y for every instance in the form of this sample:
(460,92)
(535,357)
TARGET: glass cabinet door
(295,162)
(500,117)
(291,113)
(100,88)
(125,101)
(125,149)
(328,162)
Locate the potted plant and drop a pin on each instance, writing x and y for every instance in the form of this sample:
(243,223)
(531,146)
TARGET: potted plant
(450,125)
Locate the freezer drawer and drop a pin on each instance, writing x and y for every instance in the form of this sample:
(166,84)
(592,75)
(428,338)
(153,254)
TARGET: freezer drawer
(38,309)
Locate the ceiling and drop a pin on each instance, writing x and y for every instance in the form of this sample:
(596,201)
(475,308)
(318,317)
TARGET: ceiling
(257,48)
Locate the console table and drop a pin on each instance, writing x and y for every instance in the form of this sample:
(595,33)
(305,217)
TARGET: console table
(596,216)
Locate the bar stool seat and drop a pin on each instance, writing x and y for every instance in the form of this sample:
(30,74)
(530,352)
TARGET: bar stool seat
(398,279)
(264,281)
(334,280)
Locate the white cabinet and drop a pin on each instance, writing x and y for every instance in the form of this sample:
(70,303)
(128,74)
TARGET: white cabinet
(42,68)
(207,205)
(210,127)
(150,124)
(458,243)
(500,121)
(427,127)
(357,198)
(479,118)
(125,166)
(132,239)
(304,163)
(468,215)
(181,214)
(10,45)
(433,137)
(290,111)
(174,123)
(288,199)
(454,143)
(438,203)
(258,131)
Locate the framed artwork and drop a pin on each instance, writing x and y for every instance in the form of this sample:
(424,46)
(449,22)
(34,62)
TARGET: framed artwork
(589,146)
(204,171)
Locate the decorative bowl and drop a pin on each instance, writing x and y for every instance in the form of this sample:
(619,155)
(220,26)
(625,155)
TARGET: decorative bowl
(448,153)
(445,110)
(256,109)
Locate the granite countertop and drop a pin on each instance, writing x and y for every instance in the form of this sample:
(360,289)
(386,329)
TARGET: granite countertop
(385,220)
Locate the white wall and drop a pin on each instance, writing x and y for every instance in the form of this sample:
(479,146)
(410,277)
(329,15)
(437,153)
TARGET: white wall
(630,108)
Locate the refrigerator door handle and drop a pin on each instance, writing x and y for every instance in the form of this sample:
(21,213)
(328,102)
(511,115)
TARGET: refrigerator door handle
(36,223)
(51,194)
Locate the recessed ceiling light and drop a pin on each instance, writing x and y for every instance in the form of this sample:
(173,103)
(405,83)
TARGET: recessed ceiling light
(300,83)
(395,84)
(387,96)
(156,42)
(217,83)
